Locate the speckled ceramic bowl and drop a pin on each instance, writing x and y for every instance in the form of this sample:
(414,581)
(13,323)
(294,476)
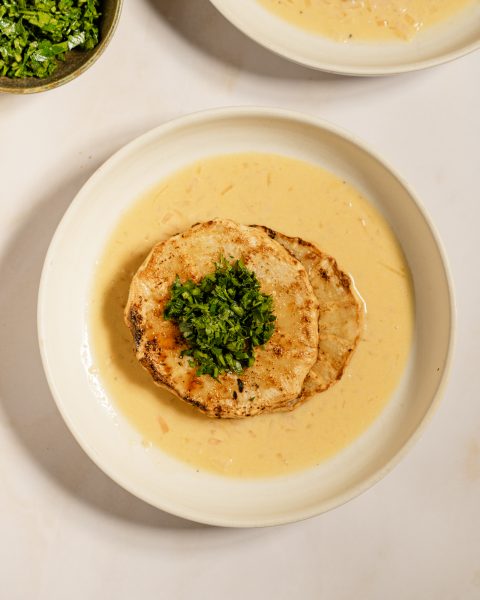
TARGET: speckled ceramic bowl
(89,409)
(448,40)
(76,61)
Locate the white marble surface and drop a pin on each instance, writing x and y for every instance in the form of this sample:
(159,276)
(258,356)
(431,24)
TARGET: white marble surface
(66,530)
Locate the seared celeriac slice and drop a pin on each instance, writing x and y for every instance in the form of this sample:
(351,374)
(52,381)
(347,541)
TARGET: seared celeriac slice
(340,314)
(275,380)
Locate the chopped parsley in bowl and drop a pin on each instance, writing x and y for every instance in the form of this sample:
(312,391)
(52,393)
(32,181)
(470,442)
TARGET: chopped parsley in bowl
(222,319)
(45,43)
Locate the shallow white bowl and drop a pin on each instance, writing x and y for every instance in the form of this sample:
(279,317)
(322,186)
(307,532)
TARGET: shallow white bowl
(447,41)
(91,415)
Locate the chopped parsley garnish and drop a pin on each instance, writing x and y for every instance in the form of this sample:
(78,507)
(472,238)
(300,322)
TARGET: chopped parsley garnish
(222,318)
(36,34)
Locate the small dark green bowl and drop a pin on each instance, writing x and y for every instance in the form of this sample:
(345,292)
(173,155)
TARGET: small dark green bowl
(76,61)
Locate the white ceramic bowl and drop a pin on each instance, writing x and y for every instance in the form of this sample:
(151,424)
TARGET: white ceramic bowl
(435,45)
(91,415)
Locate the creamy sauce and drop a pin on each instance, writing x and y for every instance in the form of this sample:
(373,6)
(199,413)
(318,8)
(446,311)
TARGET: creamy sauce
(295,198)
(365,19)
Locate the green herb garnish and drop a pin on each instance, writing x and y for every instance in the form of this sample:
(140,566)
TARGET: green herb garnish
(36,34)
(222,318)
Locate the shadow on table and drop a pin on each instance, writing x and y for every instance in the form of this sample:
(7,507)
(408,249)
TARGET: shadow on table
(203,26)
(10,102)
(27,400)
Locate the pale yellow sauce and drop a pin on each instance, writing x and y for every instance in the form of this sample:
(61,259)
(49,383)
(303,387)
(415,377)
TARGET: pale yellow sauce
(298,199)
(365,19)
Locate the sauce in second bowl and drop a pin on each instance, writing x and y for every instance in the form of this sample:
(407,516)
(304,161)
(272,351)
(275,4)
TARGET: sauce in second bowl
(365,20)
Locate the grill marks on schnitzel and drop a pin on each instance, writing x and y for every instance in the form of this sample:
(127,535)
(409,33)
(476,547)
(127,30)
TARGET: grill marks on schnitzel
(318,319)
(340,314)
(281,365)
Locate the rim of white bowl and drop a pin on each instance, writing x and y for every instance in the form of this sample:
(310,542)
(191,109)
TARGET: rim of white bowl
(338,68)
(199,516)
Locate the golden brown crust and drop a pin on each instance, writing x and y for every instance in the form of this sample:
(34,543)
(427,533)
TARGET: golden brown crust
(340,315)
(281,366)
